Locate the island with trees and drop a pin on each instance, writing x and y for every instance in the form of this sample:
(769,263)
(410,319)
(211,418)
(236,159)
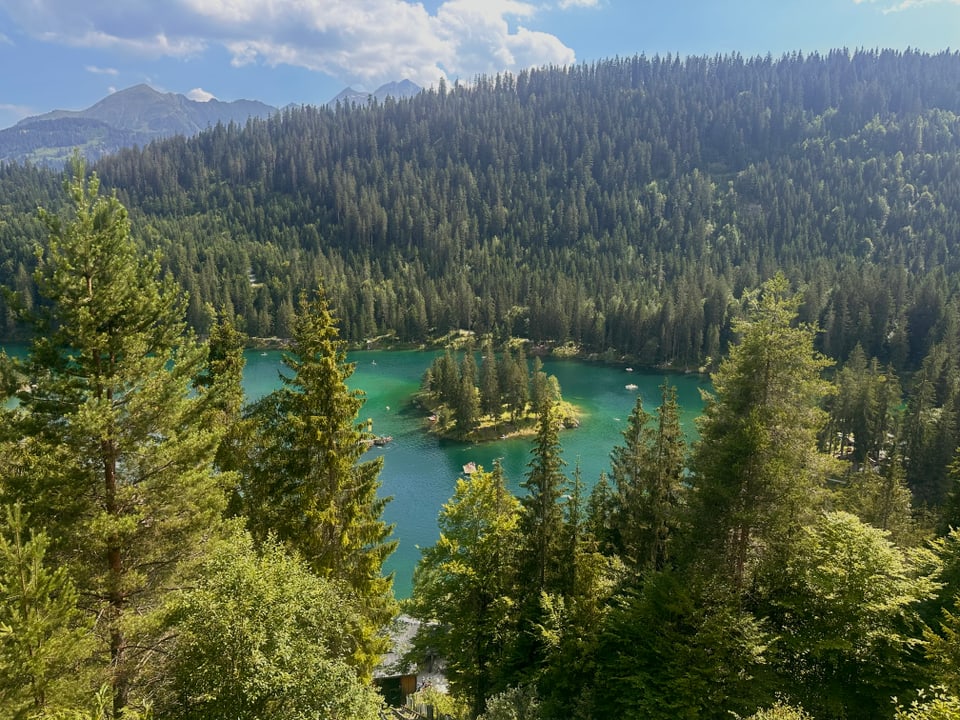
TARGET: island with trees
(500,398)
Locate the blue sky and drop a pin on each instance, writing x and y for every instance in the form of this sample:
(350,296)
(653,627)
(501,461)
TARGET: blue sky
(68,54)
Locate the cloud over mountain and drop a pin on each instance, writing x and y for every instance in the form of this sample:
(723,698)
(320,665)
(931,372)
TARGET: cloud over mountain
(363,41)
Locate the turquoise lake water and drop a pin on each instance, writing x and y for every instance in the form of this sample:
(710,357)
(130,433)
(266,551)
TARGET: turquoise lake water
(420,471)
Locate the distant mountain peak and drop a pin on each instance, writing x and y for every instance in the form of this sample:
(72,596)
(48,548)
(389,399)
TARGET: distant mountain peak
(397,90)
(133,116)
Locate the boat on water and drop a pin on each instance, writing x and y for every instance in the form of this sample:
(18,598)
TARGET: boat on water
(631,386)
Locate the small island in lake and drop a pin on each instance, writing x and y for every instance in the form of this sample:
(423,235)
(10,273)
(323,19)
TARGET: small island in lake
(494,399)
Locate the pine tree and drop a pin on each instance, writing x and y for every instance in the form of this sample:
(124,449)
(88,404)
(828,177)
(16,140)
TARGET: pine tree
(490,402)
(116,452)
(44,636)
(756,470)
(648,473)
(307,484)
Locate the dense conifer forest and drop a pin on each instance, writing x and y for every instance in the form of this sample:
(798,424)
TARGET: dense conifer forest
(789,225)
(624,204)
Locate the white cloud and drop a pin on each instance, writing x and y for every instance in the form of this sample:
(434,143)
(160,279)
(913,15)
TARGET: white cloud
(567,4)
(362,41)
(200,95)
(17,111)
(907,4)
(101,71)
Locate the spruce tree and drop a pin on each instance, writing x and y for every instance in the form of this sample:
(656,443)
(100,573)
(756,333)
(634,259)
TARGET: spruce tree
(490,402)
(307,484)
(647,471)
(540,562)
(756,469)
(110,448)
(466,409)
(542,522)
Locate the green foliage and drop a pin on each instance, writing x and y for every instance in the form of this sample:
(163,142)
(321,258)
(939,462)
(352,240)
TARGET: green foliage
(444,704)
(864,415)
(44,637)
(845,605)
(108,446)
(516,703)
(627,216)
(465,582)
(756,469)
(930,430)
(667,653)
(881,498)
(572,617)
(261,636)
(781,711)
(935,704)
(648,471)
(304,481)
(542,517)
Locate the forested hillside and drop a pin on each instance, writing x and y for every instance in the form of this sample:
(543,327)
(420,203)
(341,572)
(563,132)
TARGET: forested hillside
(623,205)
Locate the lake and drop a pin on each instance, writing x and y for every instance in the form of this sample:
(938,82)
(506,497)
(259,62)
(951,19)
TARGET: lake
(420,471)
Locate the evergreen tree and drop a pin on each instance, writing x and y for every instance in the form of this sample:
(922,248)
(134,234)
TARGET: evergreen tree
(756,469)
(542,521)
(466,583)
(648,470)
(539,385)
(881,498)
(307,485)
(223,376)
(44,636)
(664,653)
(114,451)
(864,412)
(516,383)
(573,615)
(540,565)
(601,513)
(490,402)
(467,407)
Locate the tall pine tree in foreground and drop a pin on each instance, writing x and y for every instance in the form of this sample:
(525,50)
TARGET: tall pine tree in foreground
(306,482)
(756,468)
(109,448)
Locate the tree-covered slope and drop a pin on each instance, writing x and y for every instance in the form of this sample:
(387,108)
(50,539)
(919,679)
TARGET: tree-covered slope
(623,204)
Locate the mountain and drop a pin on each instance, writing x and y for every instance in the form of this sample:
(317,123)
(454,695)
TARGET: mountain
(402,89)
(134,116)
